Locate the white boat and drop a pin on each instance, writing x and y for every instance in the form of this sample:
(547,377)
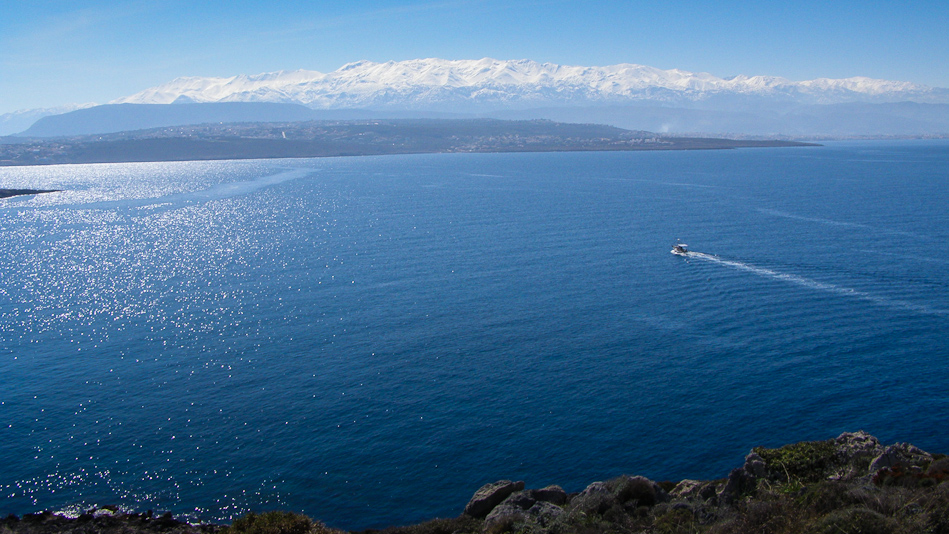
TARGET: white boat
(680,249)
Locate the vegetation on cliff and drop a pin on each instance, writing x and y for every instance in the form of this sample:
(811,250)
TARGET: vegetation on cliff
(851,484)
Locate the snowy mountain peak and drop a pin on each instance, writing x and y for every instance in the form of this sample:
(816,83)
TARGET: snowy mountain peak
(487,83)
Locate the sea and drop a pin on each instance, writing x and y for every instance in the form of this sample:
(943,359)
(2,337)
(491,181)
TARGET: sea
(369,340)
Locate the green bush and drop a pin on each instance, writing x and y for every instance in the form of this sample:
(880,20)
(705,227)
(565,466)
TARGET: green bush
(460,524)
(676,521)
(827,496)
(628,488)
(276,523)
(855,521)
(807,461)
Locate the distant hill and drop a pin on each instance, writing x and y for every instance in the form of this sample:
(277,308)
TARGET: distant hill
(821,121)
(830,120)
(17,121)
(112,118)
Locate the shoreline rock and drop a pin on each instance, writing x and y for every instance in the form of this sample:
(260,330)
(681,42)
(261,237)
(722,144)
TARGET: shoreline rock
(7,193)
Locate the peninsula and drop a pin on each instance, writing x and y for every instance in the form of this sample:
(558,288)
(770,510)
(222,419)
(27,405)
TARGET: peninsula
(348,138)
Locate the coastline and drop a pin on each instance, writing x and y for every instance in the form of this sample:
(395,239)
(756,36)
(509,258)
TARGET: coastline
(351,138)
(851,483)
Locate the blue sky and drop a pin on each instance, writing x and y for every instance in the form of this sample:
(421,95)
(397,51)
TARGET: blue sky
(54,52)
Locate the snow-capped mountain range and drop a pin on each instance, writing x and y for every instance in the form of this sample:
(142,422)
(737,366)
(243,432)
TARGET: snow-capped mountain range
(470,85)
(628,96)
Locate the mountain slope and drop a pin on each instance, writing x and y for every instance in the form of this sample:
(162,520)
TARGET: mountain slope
(17,121)
(830,120)
(123,117)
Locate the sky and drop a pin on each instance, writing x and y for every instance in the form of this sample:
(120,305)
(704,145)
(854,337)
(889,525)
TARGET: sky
(57,52)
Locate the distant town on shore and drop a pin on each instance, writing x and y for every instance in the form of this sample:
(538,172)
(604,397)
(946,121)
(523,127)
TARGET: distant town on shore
(348,138)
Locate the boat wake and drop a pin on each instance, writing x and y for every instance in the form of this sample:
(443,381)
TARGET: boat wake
(831,222)
(820,286)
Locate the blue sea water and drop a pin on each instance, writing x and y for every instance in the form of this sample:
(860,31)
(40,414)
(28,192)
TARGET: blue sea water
(369,340)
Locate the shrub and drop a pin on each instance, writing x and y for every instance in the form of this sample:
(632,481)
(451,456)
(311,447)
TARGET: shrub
(806,461)
(276,523)
(462,524)
(503,526)
(939,520)
(854,521)
(676,521)
(826,497)
(639,488)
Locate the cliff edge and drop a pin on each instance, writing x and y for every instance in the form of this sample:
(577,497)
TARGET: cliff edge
(850,484)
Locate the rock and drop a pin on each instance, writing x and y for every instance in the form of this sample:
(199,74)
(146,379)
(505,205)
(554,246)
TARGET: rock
(853,444)
(544,513)
(540,512)
(552,494)
(520,499)
(490,495)
(739,483)
(901,454)
(596,498)
(855,451)
(694,490)
(686,489)
(744,479)
(105,511)
(505,511)
(755,466)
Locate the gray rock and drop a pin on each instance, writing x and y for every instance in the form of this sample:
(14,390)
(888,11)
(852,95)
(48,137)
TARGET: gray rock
(694,490)
(755,466)
(902,454)
(520,499)
(552,494)
(852,447)
(744,479)
(544,513)
(490,495)
(596,498)
(506,511)
(541,513)
(739,483)
(686,489)
(855,451)
(860,443)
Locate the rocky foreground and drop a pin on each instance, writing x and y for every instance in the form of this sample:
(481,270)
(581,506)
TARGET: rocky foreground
(851,484)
